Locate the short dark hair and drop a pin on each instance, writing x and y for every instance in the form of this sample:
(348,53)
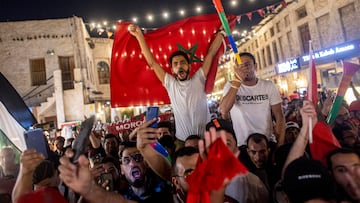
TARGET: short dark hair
(257,137)
(342,150)
(126,145)
(179,53)
(193,137)
(248,55)
(109,135)
(184,151)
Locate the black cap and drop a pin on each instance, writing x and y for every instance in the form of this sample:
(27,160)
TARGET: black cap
(221,124)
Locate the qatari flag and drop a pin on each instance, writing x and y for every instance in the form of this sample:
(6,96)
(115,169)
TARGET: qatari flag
(134,83)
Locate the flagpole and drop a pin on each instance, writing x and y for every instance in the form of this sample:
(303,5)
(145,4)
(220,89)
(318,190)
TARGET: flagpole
(310,92)
(225,24)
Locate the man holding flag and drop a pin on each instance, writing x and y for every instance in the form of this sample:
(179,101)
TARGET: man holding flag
(187,94)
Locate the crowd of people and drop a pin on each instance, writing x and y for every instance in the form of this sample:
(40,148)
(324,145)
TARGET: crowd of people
(267,134)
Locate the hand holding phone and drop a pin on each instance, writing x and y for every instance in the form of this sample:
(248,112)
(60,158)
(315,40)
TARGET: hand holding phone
(152,112)
(35,139)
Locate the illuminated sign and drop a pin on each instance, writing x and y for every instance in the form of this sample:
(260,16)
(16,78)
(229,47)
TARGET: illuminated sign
(288,66)
(337,51)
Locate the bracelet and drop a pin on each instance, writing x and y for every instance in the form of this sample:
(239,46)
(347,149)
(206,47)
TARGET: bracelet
(221,32)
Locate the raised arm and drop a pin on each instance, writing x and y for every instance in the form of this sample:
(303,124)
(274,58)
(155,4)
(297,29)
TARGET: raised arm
(215,45)
(157,162)
(78,178)
(29,160)
(137,33)
(228,100)
(298,148)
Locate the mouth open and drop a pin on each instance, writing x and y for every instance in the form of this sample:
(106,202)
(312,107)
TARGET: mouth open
(136,173)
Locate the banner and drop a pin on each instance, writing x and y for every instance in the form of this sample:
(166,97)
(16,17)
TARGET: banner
(120,127)
(133,83)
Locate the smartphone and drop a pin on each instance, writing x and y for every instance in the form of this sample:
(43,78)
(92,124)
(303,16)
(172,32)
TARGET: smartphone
(35,139)
(109,178)
(152,112)
(81,141)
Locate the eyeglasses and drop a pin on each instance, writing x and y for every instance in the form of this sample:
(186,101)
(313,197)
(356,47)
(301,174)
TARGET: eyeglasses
(136,157)
(186,173)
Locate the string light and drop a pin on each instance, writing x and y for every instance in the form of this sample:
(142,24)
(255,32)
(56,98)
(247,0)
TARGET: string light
(198,9)
(166,15)
(182,12)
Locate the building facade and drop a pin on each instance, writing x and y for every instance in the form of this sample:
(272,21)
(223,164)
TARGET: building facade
(56,67)
(280,43)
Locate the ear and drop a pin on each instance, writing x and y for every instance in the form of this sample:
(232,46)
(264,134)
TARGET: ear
(175,182)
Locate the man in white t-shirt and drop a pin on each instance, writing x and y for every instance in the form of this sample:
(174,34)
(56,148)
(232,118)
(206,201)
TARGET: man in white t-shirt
(251,102)
(187,95)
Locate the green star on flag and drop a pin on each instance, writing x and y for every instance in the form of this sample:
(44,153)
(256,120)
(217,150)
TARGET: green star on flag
(190,52)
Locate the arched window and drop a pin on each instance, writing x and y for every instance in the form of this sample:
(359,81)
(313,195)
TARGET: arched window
(103,72)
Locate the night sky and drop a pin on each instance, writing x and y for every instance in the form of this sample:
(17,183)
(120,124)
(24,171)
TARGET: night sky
(113,10)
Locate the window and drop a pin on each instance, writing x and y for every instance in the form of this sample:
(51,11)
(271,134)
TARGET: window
(305,37)
(301,12)
(349,22)
(287,21)
(289,43)
(258,59)
(323,24)
(276,55)
(272,31)
(281,47)
(103,72)
(278,27)
(67,66)
(38,72)
(263,58)
(268,52)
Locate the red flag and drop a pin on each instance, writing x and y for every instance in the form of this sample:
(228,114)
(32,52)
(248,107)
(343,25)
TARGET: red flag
(238,19)
(283,4)
(133,83)
(261,12)
(312,87)
(249,15)
(324,141)
(210,174)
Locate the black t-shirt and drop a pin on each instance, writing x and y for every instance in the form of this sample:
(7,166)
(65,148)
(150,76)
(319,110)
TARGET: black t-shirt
(157,190)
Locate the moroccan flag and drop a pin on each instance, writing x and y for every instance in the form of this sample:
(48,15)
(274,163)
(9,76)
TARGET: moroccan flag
(134,83)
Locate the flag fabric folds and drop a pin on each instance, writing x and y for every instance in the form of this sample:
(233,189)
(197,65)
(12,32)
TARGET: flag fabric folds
(324,142)
(15,116)
(133,83)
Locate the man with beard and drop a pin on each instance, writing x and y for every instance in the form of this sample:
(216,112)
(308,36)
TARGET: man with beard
(136,157)
(144,184)
(187,94)
(251,102)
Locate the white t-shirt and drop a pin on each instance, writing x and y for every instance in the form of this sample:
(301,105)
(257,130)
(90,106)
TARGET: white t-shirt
(189,104)
(251,112)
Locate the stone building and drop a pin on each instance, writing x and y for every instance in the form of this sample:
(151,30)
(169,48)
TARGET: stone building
(56,67)
(280,43)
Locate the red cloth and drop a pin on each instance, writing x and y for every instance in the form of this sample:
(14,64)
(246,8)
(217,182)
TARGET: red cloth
(324,141)
(133,83)
(210,174)
(44,195)
(313,85)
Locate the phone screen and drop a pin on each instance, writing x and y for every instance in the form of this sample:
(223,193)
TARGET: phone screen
(35,139)
(152,112)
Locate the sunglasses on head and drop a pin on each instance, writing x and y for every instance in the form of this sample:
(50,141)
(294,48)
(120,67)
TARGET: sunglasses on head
(136,157)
